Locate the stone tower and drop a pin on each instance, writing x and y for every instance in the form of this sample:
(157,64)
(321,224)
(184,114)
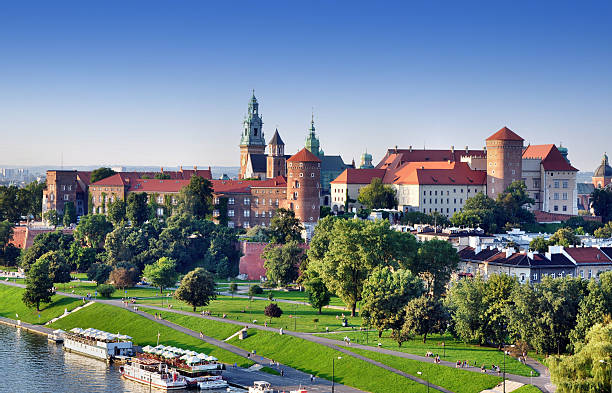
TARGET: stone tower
(312,142)
(252,140)
(303,187)
(276,163)
(504,161)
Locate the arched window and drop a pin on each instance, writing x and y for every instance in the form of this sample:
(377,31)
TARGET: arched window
(296,184)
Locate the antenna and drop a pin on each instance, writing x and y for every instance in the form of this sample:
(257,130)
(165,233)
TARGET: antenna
(62,161)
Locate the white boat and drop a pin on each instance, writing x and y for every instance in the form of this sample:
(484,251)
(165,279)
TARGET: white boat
(213,382)
(261,387)
(153,373)
(97,344)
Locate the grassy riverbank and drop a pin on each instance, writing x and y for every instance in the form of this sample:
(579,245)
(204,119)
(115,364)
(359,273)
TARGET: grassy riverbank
(11,305)
(143,331)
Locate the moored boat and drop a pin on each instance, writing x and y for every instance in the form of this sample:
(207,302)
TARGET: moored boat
(97,343)
(213,382)
(261,387)
(153,373)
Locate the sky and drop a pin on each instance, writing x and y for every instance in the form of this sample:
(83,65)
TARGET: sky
(168,83)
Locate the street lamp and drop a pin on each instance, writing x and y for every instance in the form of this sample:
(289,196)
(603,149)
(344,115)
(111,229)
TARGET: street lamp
(334,371)
(604,362)
(420,373)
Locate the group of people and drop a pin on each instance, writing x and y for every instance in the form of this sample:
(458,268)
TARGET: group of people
(462,363)
(436,357)
(158,316)
(494,368)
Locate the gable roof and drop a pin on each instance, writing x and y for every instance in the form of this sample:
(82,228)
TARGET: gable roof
(438,173)
(332,164)
(258,162)
(395,158)
(244,186)
(155,185)
(587,255)
(358,176)
(304,156)
(505,134)
(551,157)
(115,180)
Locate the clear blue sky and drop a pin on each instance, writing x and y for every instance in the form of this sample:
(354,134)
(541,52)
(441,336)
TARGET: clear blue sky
(167,83)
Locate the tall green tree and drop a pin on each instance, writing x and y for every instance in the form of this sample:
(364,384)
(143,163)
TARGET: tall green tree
(592,311)
(59,269)
(117,212)
(424,316)
(465,299)
(282,262)
(538,244)
(92,230)
(197,288)
(564,237)
(601,201)
(436,260)
(377,195)
(39,285)
(99,272)
(101,173)
(384,296)
(479,210)
(11,206)
(69,214)
(81,257)
(6,233)
(318,295)
(43,243)
(514,203)
(285,227)
(162,273)
(196,198)
(137,209)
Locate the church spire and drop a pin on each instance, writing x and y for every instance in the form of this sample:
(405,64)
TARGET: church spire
(312,142)
(252,133)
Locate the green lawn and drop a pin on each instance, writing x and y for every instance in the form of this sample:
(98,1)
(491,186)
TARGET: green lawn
(296,317)
(144,331)
(453,349)
(8,268)
(213,329)
(527,389)
(456,380)
(270,370)
(11,305)
(300,297)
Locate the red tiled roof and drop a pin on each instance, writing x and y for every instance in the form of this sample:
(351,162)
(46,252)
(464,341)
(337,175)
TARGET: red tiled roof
(395,158)
(551,157)
(115,180)
(155,185)
(505,134)
(304,156)
(585,255)
(84,176)
(358,176)
(440,173)
(244,186)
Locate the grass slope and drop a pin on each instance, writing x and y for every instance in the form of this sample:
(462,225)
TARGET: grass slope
(456,380)
(144,331)
(11,305)
(527,389)
(455,350)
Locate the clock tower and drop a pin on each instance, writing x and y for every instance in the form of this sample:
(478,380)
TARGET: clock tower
(252,140)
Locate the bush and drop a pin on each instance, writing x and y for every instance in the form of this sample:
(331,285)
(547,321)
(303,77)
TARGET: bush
(106,290)
(255,290)
(272,310)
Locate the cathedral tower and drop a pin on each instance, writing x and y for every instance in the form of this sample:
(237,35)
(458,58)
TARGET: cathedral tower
(312,142)
(276,161)
(252,140)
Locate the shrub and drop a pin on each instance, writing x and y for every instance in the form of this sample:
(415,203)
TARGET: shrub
(255,290)
(106,290)
(272,310)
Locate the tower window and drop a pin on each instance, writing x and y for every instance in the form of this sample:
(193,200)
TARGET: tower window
(255,131)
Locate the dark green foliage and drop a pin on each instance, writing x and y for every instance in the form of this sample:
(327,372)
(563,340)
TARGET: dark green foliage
(592,311)
(272,310)
(101,173)
(117,212)
(39,285)
(137,209)
(377,195)
(282,262)
(99,272)
(285,227)
(69,214)
(17,202)
(7,257)
(318,295)
(92,230)
(59,269)
(255,290)
(423,316)
(162,273)
(197,288)
(81,257)
(258,234)
(106,290)
(43,243)
(436,260)
(196,198)
(233,288)
(601,200)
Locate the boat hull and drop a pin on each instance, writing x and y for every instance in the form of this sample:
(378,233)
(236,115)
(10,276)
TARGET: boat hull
(177,386)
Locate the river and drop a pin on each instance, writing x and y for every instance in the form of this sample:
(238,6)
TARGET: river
(30,363)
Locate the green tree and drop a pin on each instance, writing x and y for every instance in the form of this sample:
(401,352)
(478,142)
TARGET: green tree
(197,288)
(33,196)
(318,295)
(601,202)
(564,237)
(117,212)
(604,232)
(82,257)
(100,173)
(92,230)
(11,206)
(69,214)
(285,227)
(377,195)
(465,300)
(126,244)
(233,288)
(43,243)
(513,204)
(99,272)
(424,316)
(258,234)
(538,244)
(161,176)
(52,218)
(106,290)
(39,285)
(137,210)
(162,273)
(479,210)
(592,311)
(282,262)
(6,233)
(59,269)
(384,296)
(255,290)
(196,197)
(584,372)
(436,260)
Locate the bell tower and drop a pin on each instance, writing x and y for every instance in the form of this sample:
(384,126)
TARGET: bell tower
(276,161)
(252,140)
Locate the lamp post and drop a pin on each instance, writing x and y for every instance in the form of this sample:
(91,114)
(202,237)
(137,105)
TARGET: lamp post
(604,362)
(334,371)
(426,379)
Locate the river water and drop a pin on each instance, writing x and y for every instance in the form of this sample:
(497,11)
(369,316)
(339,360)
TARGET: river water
(31,364)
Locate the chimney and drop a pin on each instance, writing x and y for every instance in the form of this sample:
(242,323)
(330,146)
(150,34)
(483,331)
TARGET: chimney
(410,148)
(395,148)
(209,167)
(195,168)
(509,252)
(477,250)
(452,149)
(530,254)
(466,149)
(162,169)
(181,168)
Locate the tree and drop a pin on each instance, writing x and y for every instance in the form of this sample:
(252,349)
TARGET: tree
(69,214)
(11,205)
(604,232)
(197,288)
(99,273)
(137,210)
(564,237)
(82,257)
(100,173)
(377,195)
(601,202)
(126,244)
(318,295)
(43,243)
(423,316)
(162,273)
(479,210)
(272,310)
(258,234)
(513,204)
(384,296)
(592,311)
(161,176)
(39,285)
(52,218)
(33,198)
(436,260)
(6,233)
(255,290)
(584,372)
(282,262)
(285,227)
(117,212)
(538,244)
(233,288)
(59,269)
(106,290)
(92,230)
(196,197)
(121,278)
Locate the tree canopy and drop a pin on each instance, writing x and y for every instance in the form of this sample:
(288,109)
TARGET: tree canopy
(162,273)
(197,288)
(377,195)
(92,230)
(285,227)
(196,197)
(101,173)
(39,285)
(601,202)
(282,262)
(137,209)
